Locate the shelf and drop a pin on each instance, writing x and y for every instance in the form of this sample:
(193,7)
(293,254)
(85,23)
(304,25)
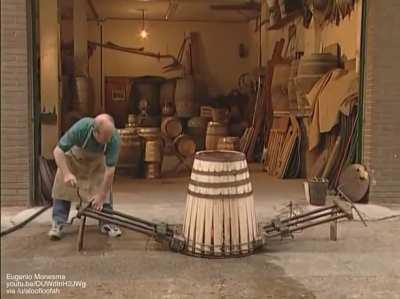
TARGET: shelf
(286,20)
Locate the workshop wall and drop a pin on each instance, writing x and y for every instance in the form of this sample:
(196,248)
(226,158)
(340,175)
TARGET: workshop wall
(219,62)
(313,39)
(16,137)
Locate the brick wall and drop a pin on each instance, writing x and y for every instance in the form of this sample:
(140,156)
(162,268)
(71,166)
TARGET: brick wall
(16,136)
(382,100)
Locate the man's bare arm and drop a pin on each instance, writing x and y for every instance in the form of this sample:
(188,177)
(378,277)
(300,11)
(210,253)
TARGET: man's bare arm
(107,180)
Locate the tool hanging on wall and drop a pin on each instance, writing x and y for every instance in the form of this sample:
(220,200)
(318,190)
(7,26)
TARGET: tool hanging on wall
(176,63)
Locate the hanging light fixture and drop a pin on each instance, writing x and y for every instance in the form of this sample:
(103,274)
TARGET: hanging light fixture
(143,33)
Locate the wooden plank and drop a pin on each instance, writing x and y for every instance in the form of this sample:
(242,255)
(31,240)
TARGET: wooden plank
(250,219)
(243,226)
(234,226)
(332,157)
(188,214)
(266,108)
(227,226)
(192,229)
(218,227)
(200,226)
(208,229)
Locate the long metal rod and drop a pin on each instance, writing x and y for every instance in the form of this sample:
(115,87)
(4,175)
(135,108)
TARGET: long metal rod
(298,221)
(122,224)
(109,211)
(151,228)
(308,226)
(303,215)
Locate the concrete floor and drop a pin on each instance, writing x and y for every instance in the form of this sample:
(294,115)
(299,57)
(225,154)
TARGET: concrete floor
(363,263)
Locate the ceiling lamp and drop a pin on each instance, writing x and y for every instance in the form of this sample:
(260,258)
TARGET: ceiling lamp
(143,33)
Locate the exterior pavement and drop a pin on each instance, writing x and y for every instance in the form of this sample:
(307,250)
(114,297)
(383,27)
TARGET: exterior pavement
(363,263)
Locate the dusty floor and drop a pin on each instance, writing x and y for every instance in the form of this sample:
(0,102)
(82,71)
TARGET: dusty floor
(363,263)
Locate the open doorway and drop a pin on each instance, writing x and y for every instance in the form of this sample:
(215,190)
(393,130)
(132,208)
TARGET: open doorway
(179,77)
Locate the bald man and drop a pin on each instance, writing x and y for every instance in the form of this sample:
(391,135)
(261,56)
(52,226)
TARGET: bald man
(86,157)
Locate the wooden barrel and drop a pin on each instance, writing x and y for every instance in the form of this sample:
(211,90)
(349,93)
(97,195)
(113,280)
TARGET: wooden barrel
(151,133)
(220,217)
(185,104)
(130,160)
(82,100)
(311,69)
(197,125)
(220,115)
(185,145)
(171,127)
(152,170)
(153,151)
(215,130)
(229,143)
(197,128)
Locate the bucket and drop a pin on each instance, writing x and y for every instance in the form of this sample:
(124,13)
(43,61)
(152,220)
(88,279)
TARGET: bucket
(316,190)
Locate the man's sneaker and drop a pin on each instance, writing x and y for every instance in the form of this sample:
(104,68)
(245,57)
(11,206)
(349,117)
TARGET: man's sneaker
(110,229)
(55,232)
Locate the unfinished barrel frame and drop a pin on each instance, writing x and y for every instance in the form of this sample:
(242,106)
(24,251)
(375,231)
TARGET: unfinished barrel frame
(220,218)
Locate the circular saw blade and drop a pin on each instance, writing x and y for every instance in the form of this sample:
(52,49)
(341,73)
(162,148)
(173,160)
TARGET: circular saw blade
(354,182)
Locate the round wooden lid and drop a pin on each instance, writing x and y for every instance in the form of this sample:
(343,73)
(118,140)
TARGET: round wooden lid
(220,156)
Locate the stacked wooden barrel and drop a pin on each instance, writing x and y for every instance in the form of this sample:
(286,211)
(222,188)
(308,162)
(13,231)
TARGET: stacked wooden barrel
(171,127)
(185,145)
(220,218)
(197,128)
(130,160)
(215,130)
(229,143)
(153,151)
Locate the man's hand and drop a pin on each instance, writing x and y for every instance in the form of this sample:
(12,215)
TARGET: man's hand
(70,179)
(98,200)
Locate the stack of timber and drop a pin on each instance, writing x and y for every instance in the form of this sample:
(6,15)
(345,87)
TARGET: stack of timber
(281,155)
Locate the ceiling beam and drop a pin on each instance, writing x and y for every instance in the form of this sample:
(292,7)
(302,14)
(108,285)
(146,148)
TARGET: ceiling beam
(171,21)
